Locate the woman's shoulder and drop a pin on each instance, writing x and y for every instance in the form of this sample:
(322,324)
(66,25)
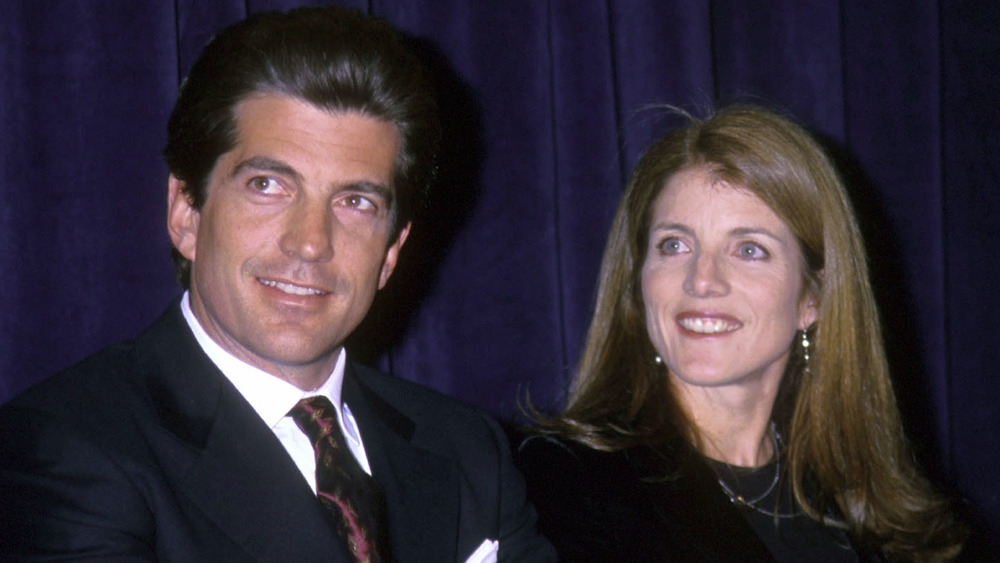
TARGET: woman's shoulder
(580,494)
(621,505)
(546,445)
(561,457)
(548,452)
(557,467)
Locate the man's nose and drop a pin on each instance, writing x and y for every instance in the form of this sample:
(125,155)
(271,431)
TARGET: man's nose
(309,232)
(706,276)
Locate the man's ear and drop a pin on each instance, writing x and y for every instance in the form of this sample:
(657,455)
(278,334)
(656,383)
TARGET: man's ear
(392,255)
(182,219)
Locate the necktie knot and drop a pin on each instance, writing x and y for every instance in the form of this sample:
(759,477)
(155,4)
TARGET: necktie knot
(316,417)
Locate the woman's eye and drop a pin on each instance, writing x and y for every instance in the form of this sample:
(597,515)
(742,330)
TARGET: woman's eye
(752,251)
(672,246)
(264,184)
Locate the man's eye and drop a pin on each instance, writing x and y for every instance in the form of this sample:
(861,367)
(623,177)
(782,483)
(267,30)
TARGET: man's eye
(359,202)
(264,184)
(752,251)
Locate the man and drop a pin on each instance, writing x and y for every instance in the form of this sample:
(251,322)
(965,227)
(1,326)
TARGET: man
(298,147)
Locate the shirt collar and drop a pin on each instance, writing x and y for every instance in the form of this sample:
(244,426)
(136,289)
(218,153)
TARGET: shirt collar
(270,396)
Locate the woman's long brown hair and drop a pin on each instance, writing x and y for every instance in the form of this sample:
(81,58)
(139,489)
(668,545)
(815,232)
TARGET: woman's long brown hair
(840,419)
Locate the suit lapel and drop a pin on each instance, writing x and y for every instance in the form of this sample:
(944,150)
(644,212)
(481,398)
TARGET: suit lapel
(234,470)
(421,487)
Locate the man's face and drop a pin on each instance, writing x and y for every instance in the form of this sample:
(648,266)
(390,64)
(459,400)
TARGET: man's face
(292,242)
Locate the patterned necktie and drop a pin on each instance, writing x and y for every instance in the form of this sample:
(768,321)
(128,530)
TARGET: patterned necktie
(352,497)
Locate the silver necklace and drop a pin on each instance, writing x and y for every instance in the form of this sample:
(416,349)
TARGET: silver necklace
(740,500)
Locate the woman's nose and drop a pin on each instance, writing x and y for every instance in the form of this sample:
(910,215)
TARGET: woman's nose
(706,276)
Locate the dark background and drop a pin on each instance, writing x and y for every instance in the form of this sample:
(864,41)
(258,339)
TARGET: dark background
(546,109)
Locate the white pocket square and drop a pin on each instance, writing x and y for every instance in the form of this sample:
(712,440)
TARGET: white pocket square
(485,553)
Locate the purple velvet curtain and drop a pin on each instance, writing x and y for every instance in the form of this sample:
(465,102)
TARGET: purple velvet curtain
(546,108)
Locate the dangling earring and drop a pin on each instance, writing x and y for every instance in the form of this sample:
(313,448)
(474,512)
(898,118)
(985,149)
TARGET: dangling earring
(805,352)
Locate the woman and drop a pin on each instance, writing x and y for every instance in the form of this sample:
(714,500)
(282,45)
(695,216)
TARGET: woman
(733,401)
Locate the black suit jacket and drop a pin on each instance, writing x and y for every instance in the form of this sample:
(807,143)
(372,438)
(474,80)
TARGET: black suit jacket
(146,452)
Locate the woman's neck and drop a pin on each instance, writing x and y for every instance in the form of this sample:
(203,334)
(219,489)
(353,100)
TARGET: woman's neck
(750,448)
(733,427)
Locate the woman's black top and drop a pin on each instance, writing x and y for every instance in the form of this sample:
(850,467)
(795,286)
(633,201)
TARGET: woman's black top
(769,507)
(660,505)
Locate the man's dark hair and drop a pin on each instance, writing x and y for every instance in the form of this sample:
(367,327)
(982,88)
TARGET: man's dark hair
(333,58)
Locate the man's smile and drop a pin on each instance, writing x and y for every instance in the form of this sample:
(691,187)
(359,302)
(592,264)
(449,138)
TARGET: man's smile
(292,288)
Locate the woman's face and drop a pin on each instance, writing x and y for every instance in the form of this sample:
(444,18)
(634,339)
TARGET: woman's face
(722,284)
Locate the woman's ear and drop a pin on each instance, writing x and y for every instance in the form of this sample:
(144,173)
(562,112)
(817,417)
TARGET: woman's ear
(809,304)
(808,312)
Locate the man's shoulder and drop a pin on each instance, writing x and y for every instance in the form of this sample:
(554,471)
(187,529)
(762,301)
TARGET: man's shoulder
(413,398)
(85,416)
(107,380)
(434,420)
(92,380)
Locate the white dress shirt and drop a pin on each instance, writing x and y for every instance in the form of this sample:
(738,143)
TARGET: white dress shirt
(273,397)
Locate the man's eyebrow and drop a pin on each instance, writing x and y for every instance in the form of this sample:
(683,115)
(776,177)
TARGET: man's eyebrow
(264,164)
(374,188)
